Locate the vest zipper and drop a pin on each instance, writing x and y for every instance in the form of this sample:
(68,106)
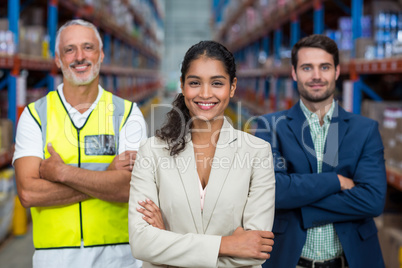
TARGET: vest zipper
(79,166)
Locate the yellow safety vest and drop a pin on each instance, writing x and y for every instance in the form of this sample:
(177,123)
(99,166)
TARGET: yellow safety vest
(93,146)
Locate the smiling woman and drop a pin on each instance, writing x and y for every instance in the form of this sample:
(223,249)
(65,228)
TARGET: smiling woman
(208,94)
(202,209)
(208,81)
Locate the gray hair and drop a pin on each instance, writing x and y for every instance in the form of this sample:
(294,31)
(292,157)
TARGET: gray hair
(81,23)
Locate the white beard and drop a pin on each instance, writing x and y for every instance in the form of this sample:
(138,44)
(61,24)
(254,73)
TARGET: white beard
(70,75)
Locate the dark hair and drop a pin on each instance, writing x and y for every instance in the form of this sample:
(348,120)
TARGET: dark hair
(172,131)
(316,41)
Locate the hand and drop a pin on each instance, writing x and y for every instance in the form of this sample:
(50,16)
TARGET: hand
(247,244)
(152,214)
(123,161)
(51,169)
(346,183)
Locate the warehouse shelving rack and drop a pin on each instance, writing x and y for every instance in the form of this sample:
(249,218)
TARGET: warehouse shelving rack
(269,35)
(146,80)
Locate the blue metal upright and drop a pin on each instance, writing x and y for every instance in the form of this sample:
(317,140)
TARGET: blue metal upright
(357,98)
(13,18)
(294,31)
(265,45)
(277,43)
(107,48)
(217,6)
(52,25)
(357,13)
(358,88)
(52,31)
(318,18)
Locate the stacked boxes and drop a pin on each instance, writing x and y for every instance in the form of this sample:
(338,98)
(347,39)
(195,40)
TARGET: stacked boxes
(389,116)
(7,45)
(389,227)
(6,135)
(387,28)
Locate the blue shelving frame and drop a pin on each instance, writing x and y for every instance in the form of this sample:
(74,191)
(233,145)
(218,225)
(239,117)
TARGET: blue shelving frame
(356,12)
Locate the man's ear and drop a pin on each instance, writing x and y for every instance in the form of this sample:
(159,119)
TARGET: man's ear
(57,60)
(102,55)
(294,74)
(337,71)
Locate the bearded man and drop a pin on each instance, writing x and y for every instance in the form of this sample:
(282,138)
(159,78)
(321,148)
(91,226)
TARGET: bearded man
(74,153)
(329,170)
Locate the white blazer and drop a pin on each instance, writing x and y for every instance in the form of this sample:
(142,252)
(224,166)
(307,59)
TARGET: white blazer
(240,192)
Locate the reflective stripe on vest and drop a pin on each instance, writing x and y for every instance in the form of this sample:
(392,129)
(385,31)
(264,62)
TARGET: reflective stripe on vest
(93,146)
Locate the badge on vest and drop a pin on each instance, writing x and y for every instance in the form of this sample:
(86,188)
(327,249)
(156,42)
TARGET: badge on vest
(100,145)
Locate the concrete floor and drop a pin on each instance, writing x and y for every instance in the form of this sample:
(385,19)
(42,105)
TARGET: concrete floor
(16,252)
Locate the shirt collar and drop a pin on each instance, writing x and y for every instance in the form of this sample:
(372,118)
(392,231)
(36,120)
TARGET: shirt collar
(72,109)
(309,114)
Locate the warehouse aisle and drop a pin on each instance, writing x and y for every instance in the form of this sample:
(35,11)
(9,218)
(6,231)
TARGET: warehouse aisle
(16,252)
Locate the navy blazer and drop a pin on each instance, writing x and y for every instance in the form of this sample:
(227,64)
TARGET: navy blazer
(305,199)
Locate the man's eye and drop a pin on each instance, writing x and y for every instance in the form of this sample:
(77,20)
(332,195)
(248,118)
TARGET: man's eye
(68,50)
(325,68)
(89,47)
(306,68)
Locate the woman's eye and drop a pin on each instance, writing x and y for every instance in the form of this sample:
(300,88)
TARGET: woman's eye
(217,84)
(194,83)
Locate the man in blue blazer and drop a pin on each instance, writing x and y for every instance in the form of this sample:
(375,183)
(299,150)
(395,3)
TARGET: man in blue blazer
(329,169)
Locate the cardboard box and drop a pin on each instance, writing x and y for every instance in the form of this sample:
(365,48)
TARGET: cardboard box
(6,133)
(362,45)
(391,246)
(375,109)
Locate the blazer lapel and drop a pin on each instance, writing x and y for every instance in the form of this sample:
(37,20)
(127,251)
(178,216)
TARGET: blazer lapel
(185,163)
(301,130)
(223,160)
(336,133)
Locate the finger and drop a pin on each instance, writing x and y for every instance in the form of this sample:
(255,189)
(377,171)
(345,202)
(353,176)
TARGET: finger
(148,220)
(140,210)
(124,156)
(50,149)
(267,234)
(145,212)
(148,207)
(125,162)
(155,208)
(128,168)
(149,201)
(145,206)
(129,154)
(266,249)
(267,241)
(263,255)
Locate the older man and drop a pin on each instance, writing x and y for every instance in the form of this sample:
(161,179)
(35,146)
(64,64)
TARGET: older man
(74,153)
